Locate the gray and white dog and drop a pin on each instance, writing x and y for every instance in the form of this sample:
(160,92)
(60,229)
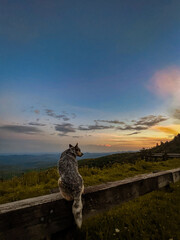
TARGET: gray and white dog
(70,182)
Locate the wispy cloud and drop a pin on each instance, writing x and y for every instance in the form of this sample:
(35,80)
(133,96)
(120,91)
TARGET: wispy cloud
(143,123)
(51,113)
(134,133)
(77,136)
(139,141)
(111,121)
(64,128)
(94,127)
(176,114)
(131,127)
(63,135)
(104,145)
(66,118)
(37,124)
(166,129)
(150,120)
(20,129)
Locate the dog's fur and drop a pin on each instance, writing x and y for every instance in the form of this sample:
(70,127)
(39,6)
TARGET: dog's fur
(70,181)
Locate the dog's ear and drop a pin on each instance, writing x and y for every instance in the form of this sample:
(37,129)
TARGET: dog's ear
(70,146)
(76,145)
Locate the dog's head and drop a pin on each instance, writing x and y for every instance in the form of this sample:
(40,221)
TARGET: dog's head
(76,150)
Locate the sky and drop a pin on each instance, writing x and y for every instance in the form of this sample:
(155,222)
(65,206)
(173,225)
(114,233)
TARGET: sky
(105,74)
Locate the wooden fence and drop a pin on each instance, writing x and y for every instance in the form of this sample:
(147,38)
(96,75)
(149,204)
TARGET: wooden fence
(47,217)
(148,156)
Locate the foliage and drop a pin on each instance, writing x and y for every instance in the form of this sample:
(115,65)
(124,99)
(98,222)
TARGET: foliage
(94,176)
(36,183)
(110,160)
(131,157)
(153,216)
(172,146)
(30,184)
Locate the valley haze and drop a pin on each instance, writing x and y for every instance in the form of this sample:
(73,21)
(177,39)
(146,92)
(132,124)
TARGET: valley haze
(16,164)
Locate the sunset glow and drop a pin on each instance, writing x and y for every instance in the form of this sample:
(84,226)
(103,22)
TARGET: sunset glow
(105,74)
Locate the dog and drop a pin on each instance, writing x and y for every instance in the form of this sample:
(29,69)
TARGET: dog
(70,182)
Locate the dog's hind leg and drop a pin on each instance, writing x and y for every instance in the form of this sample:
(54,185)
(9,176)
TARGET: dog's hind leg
(63,191)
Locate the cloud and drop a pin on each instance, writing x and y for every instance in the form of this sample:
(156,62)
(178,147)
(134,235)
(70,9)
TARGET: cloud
(130,127)
(176,114)
(37,111)
(104,145)
(20,129)
(136,142)
(150,120)
(63,135)
(37,124)
(136,125)
(73,115)
(94,127)
(66,118)
(51,113)
(111,121)
(64,128)
(166,83)
(143,123)
(134,133)
(166,129)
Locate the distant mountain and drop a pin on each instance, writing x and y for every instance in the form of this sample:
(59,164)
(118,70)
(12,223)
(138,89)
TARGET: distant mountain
(28,160)
(11,165)
(172,146)
(38,160)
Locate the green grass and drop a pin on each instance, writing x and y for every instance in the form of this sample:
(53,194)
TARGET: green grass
(94,176)
(34,183)
(109,160)
(154,216)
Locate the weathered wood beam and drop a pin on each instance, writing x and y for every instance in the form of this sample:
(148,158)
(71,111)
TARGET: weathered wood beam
(41,217)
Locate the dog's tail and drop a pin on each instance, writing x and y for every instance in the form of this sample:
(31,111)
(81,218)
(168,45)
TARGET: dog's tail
(77,210)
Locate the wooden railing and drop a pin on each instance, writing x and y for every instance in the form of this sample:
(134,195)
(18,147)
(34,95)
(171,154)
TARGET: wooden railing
(46,217)
(148,156)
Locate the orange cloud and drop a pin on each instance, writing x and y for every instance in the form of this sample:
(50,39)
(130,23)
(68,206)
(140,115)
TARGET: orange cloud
(165,129)
(104,145)
(107,145)
(136,143)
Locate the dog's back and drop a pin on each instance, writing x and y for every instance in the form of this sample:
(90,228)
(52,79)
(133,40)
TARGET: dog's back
(70,182)
(70,177)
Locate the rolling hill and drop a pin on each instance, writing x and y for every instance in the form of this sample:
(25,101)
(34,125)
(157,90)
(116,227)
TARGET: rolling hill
(172,146)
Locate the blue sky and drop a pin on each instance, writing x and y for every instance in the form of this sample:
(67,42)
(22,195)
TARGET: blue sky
(67,64)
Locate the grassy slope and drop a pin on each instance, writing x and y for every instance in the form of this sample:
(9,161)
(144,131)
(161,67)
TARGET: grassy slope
(154,216)
(39,183)
(110,159)
(172,146)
